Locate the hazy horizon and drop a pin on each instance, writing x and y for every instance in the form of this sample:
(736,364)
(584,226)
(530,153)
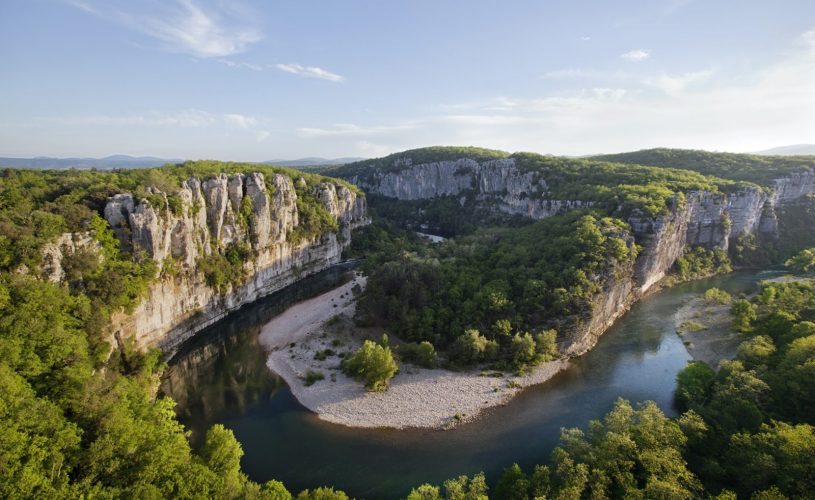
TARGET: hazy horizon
(252,81)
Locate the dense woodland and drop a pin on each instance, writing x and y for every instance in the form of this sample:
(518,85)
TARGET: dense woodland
(485,297)
(78,419)
(742,167)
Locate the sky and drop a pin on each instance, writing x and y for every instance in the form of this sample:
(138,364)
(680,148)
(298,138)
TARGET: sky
(260,80)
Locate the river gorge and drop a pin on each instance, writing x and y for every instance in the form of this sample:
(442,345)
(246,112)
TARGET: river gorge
(220,376)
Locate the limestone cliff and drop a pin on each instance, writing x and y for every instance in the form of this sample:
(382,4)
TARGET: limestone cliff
(207,216)
(712,220)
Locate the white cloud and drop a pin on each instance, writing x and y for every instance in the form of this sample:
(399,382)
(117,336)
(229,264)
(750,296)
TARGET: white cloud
(773,105)
(674,85)
(585,74)
(181,119)
(240,65)
(349,129)
(241,121)
(185,118)
(180,25)
(310,72)
(585,38)
(636,55)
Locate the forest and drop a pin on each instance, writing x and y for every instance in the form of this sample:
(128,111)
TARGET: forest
(78,419)
(81,419)
(498,287)
(760,170)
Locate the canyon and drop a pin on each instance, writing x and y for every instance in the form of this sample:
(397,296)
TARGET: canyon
(713,220)
(209,216)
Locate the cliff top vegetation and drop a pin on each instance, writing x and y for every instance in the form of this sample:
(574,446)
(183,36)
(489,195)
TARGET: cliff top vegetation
(761,170)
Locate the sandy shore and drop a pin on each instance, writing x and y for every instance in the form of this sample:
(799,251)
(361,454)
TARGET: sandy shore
(706,331)
(417,397)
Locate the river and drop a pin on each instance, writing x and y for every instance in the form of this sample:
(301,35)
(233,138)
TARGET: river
(221,377)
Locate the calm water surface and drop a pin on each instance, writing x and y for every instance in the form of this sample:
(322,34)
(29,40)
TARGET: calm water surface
(221,377)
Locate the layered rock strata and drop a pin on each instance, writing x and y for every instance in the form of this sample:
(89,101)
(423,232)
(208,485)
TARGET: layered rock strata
(206,216)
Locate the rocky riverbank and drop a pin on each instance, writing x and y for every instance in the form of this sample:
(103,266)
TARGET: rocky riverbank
(309,337)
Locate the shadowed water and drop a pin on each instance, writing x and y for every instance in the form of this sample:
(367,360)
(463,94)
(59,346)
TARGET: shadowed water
(221,377)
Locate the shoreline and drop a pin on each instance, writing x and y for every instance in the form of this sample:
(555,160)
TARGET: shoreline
(416,398)
(706,332)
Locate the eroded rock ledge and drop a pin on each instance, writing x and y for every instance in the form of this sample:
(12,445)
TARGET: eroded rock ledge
(207,216)
(712,220)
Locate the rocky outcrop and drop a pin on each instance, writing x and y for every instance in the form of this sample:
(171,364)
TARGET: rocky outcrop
(711,220)
(55,253)
(497,183)
(210,215)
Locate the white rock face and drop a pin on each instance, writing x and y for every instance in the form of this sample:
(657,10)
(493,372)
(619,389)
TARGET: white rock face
(712,220)
(55,252)
(211,215)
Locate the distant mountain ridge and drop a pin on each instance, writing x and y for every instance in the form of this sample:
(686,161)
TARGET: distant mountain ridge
(106,163)
(312,161)
(792,150)
(127,161)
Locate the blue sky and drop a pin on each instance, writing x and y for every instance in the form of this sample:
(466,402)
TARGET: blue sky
(270,79)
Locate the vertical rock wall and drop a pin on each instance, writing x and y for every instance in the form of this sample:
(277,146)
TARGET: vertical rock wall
(211,215)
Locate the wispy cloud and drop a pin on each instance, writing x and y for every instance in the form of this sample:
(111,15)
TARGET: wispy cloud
(776,105)
(675,85)
(181,119)
(241,121)
(240,64)
(585,38)
(310,72)
(185,118)
(180,25)
(584,74)
(350,129)
(636,55)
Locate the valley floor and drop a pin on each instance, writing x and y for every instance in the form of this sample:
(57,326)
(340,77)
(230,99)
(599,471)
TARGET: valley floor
(417,397)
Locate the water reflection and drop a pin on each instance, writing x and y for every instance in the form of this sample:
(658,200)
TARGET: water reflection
(222,378)
(222,372)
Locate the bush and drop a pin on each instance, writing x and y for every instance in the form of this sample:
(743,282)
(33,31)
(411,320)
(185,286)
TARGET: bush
(422,354)
(312,377)
(743,313)
(523,350)
(717,296)
(372,364)
(546,345)
(803,262)
(472,347)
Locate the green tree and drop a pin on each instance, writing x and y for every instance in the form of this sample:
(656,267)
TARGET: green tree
(694,385)
(465,488)
(802,262)
(323,493)
(222,454)
(523,350)
(779,454)
(372,364)
(756,351)
(717,296)
(425,492)
(513,485)
(743,313)
(546,345)
(274,490)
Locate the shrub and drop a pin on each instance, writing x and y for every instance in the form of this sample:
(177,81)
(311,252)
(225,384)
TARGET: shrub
(312,377)
(546,345)
(372,364)
(422,354)
(803,262)
(717,296)
(743,313)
